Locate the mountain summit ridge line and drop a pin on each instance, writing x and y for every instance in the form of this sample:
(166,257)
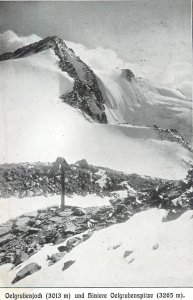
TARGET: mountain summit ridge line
(86,94)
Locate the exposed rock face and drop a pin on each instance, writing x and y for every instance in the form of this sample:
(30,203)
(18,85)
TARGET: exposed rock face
(127,253)
(49,226)
(172,135)
(5,228)
(6,238)
(127,74)
(68,264)
(86,94)
(73,242)
(22,222)
(55,257)
(20,257)
(82,163)
(26,271)
(79,211)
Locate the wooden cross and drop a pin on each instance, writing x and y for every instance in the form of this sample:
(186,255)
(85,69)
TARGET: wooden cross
(60,164)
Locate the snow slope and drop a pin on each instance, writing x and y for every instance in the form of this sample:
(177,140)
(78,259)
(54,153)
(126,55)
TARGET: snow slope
(144,251)
(138,102)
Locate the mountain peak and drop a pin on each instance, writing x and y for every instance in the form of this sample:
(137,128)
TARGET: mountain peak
(86,94)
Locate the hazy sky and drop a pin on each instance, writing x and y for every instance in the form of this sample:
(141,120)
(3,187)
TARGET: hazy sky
(142,31)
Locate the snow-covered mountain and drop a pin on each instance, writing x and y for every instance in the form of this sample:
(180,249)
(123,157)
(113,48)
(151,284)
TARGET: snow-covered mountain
(55,104)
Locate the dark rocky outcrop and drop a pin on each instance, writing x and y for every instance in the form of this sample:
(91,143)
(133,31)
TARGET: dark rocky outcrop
(73,242)
(127,253)
(127,74)
(79,211)
(26,271)
(68,264)
(172,135)
(55,257)
(82,163)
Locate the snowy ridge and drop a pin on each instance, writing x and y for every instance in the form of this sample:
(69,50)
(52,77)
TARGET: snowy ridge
(86,94)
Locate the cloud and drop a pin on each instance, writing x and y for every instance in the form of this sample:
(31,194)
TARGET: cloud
(10,41)
(179,75)
(99,58)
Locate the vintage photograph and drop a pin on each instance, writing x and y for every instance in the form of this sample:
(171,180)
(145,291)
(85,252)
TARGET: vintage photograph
(96,153)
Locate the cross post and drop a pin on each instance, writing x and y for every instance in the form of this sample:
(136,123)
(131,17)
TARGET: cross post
(62,165)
